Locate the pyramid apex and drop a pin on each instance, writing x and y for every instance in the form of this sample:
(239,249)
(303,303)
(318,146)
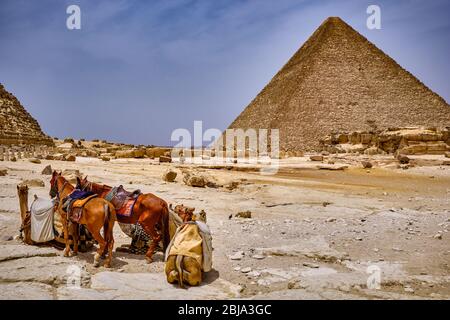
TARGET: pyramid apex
(333,21)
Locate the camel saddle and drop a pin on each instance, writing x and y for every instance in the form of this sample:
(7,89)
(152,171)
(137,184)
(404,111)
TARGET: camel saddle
(122,199)
(75,209)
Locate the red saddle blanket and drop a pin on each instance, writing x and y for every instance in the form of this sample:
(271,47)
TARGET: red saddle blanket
(123,200)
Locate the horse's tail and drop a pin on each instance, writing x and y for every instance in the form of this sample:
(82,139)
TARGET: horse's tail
(165,227)
(108,223)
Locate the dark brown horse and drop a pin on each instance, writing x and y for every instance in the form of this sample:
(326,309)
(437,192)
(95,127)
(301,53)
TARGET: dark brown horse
(149,211)
(97,213)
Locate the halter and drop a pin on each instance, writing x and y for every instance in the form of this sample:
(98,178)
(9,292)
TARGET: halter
(58,192)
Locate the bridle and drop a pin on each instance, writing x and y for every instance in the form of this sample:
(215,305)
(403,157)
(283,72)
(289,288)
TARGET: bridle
(56,190)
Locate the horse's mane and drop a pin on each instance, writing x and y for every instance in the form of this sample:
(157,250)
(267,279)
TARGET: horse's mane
(96,187)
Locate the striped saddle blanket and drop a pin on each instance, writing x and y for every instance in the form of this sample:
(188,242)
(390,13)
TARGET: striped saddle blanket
(122,200)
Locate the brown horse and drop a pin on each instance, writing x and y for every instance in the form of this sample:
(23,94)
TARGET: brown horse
(149,211)
(97,213)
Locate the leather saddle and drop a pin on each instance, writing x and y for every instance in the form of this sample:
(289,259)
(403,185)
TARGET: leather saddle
(122,196)
(74,207)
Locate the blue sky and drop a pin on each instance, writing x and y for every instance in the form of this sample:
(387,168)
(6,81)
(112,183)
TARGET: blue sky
(137,70)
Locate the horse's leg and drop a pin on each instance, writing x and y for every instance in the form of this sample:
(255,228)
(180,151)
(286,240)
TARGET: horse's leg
(156,238)
(101,243)
(110,252)
(75,229)
(65,223)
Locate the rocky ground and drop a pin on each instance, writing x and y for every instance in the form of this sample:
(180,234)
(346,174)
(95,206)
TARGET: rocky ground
(318,230)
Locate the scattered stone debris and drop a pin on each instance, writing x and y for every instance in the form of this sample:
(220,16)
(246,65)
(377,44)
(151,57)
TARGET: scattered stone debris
(316,158)
(295,284)
(70,158)
(34,183)
(367,164)
(35,160)
(344,288)
(237,255)
(3,172)
(244,214)
(403,159)
(166,159)
(47,170)
(169,175)
(194,180)
(258,256)
(408,289)
(232,185)
(104,158)
(438,236)
(246,270)
(332,167)
(310,265)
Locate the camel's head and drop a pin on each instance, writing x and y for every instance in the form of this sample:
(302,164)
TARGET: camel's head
(22,189)
(185,213)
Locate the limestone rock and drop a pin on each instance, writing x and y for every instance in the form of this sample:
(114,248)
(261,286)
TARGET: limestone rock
(403,159)
(3,172)
(152,286)
(169,175)
(372,151)
(71,158)
(156,152)
(316,158)
(47,170)
(34,183)
(244,214)
(367,164)
(34,160)
(194,179)
(25,291)
(165,159)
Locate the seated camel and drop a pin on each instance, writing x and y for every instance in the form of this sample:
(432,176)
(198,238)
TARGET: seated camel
(184,257)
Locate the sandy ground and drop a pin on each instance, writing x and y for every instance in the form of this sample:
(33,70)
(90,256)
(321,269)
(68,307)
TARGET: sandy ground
(314,234)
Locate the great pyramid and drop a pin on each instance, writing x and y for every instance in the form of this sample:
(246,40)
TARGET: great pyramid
(340,82)
(17,126)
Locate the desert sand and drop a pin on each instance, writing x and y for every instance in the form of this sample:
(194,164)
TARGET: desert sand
(313,233)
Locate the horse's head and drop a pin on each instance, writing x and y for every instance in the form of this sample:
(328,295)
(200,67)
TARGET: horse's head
(185,213)
(82,183)
(54,183)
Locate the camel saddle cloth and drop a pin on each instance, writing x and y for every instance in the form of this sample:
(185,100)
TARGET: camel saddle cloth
(122,200)
(76,208)
(187,242)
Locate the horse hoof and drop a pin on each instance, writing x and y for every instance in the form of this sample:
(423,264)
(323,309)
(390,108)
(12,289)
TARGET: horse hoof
(96,264)
(73,254)
(107,265)
(149,260)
